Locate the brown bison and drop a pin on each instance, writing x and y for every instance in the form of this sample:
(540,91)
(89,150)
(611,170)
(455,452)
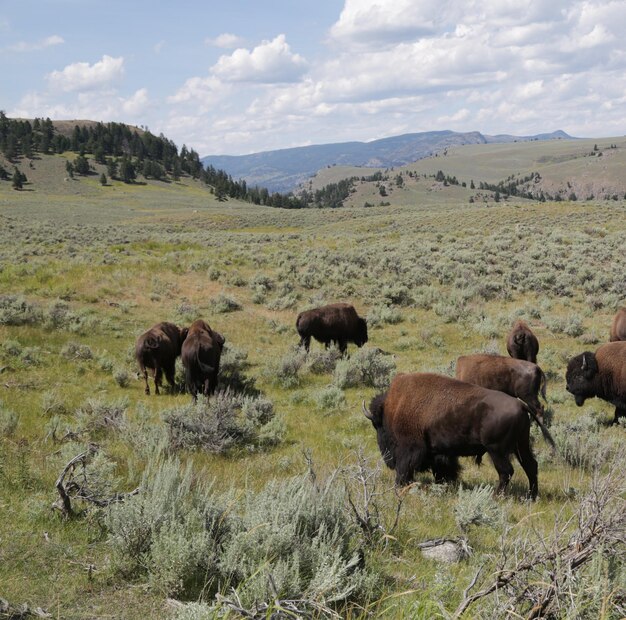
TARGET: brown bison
(201,354)
(618,327)
(158,349)
(426,421)
(514,377)
(337,323)
(601,374)
(521,343)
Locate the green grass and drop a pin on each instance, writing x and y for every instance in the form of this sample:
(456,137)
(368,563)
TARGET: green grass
(124,258)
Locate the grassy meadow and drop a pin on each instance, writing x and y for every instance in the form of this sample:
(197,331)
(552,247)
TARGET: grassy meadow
(85,269)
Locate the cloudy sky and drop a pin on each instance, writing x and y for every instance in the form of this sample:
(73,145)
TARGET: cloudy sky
(240,76)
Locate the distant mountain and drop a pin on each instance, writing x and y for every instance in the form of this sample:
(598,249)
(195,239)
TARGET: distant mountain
(284,169)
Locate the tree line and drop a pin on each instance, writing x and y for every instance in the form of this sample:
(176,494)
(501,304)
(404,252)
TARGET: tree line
(127,153)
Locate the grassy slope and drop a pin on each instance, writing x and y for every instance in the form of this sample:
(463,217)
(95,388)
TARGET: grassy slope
(132,256)
(565,165)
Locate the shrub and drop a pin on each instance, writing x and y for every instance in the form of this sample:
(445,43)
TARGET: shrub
(476,507)
(367,367)
(321,362)
(329,398)
(76,351)
(232,376)
(222,304)
(383,314)
(97,415)
(17,310)
(580,442)
(228,420)
(8,421)
(286,371)
(122,377)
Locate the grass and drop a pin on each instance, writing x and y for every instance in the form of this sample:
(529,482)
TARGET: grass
(124,258)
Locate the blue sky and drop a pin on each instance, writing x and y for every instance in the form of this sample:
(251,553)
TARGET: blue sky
(237,76)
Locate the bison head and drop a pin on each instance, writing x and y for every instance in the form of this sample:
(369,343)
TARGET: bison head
(385,440)
(581,371)
(361,332)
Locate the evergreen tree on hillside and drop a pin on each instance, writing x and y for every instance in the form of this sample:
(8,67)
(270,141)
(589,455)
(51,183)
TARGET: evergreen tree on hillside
(127,170)
(17,180)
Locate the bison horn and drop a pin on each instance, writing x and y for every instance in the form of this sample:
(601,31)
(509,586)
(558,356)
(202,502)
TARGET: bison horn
(366,412)
(584,366)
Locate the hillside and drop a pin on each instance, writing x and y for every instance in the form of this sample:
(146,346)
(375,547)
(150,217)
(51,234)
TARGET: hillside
(559,169)
(283,170)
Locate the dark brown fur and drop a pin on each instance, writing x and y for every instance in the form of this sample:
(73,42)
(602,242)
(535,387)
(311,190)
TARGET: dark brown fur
(521,343)
(157,349)
(514,377)
(337,323)
(618,327)
(426,421)
(201,354)
(601,374)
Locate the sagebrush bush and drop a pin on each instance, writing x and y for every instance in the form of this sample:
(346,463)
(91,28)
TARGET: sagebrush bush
(99,415)
(232,375)
(476,507)
(367,367)
(383,314)
(228,420)
(285,372)
(580,442)
(17,310)
(76,351)
(330,398)
(223,303)
(324,361)
(8,421)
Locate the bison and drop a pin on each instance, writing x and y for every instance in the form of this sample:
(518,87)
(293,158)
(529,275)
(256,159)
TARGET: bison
(337,323)
(521,343)
(514,377)
(201,354)
(426,421)
(601,374)
(158,349)
(618,327)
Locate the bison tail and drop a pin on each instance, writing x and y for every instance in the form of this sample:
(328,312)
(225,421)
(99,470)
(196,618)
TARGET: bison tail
(544,431)
(153,342)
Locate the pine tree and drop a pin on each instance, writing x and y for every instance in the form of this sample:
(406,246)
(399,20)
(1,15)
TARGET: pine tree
(103,179)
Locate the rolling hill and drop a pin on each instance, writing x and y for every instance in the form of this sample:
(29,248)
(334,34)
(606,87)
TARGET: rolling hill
(284,169)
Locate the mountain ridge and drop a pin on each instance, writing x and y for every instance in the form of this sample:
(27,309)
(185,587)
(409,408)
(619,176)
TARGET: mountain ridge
(284,169)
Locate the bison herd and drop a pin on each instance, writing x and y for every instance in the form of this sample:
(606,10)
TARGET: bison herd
(424,421)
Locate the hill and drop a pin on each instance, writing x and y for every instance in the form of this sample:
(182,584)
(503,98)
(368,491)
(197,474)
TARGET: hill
(282,170)
(538,170)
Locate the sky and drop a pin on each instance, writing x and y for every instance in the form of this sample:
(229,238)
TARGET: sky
(241,76)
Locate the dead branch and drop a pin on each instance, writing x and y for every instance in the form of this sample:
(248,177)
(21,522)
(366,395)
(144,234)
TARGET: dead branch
(20,612)
(73,489)
(600,528)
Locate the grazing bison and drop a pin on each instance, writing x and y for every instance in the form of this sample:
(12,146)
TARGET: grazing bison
(521,343)
(337,323)
(601,374)
(201,354)
(426,421)
(618,327)
(158,349)
(514,377)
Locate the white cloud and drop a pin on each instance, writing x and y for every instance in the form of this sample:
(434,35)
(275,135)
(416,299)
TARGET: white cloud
(226,40)
(83,76)
(137,103)
(201,90)
(36,46)
(270,62)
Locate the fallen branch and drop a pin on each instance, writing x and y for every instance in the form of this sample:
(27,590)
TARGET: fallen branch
(72,489)
(19,612)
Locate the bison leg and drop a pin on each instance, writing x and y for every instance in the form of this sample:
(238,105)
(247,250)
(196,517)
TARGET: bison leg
(445,468)
(305,341)
(144,371)
(170,375)
(619,413)
(158,378)
(343,347)
(528,462)
(504,468)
